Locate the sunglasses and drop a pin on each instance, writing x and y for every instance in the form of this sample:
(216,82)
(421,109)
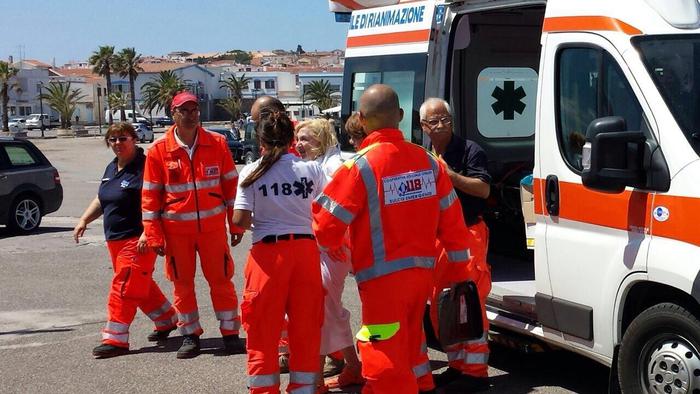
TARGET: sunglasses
(122,138)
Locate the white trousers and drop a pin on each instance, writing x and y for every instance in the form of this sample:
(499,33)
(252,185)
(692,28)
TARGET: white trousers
(336,333)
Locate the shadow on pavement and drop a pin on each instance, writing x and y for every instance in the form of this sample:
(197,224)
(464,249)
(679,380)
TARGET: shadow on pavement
(38,331)
(6,233)
(213,346)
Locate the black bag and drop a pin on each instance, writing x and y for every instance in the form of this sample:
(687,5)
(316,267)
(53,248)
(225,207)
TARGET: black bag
(459,314)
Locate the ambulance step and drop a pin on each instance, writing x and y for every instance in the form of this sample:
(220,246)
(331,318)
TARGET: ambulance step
(519,305)
(517,342)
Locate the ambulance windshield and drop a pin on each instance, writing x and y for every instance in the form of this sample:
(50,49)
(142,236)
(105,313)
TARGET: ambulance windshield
(673,61)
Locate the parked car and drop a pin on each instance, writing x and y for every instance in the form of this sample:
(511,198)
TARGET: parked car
(143,132)
(30,186)
(164,121)
(34,121)
(251,147)
(234,143)
(17,124)
(145,122)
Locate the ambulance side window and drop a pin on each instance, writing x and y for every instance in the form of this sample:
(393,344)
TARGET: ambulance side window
(590,85)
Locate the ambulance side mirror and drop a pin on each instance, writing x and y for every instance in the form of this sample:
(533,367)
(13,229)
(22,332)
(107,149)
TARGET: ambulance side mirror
(613,157)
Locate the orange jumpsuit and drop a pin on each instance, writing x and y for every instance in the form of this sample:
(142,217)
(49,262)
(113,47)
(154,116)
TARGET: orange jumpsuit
(396,198)
(185,204)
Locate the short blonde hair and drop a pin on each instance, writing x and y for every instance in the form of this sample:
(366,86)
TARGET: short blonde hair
(322,131)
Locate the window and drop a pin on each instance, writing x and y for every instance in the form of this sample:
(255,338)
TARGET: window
(256,84)
(591,86)
(270,84)
(19,156)
(335,88)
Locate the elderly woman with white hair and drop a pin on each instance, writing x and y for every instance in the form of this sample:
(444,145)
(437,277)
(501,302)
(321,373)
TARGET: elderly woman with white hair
(316,140)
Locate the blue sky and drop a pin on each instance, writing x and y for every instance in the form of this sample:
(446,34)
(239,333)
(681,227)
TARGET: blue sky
(72,29)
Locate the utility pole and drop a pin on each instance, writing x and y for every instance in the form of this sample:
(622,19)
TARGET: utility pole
(99,108)
(41,107)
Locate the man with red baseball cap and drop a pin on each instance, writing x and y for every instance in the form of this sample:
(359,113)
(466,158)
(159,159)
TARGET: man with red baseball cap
(189,187)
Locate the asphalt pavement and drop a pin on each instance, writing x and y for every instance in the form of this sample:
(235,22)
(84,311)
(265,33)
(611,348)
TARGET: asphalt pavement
(52,307)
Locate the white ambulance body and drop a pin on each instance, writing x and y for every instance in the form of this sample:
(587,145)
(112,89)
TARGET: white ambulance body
(598,100)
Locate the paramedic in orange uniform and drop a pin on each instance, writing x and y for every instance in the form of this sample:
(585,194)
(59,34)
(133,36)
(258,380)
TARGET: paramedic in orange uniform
(283,271)
(397,199)
(466,167)
(119,199)
(188,193)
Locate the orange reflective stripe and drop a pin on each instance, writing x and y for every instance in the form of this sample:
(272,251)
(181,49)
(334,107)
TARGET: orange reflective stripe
(682,221)
(588,23)
(350,4)
(402,37)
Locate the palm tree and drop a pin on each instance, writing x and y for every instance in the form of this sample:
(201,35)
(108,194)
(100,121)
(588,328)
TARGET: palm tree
(119,100)
(61,98)
(128,66)
(320,94)
(232,105)
(102,61)
(7,72)
(158,93)
(235,86)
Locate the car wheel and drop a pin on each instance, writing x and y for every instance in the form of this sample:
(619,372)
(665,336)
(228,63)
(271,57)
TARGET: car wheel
(659,352)
(25,215)
(249,157)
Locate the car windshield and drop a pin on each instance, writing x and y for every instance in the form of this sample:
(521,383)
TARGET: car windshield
(673,61)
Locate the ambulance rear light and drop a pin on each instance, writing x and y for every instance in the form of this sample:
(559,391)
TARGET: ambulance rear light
(681,14)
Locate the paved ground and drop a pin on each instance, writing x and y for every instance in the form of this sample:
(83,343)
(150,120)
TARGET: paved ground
(52,306)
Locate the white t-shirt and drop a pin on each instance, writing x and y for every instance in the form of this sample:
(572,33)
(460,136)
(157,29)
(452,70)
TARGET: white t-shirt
(331,161)
(281,199)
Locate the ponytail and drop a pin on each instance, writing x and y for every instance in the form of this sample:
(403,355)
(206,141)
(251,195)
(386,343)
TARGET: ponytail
(275,133)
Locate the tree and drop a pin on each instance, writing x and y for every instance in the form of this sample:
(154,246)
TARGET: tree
(235,86)
(102,62)
(319,92)
(127,64)
(7,72)
(62,99)
(232,105)
(119,100)
(158,93)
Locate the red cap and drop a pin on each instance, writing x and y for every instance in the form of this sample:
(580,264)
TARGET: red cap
(182,98)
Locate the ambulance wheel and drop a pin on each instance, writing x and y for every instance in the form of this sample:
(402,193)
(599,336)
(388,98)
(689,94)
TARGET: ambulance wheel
(24,215)
(659,352)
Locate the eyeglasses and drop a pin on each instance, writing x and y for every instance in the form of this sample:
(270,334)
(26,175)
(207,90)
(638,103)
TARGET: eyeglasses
(113,140)
(446,120)
(188,111)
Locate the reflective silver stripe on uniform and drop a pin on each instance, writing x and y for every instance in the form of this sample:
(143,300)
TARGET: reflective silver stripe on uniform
(124,338)
(476,358)
(226,315)
(149,215)
(188,317)
(308,389)
(115,327)
(389,267)
(231,325)
(163,323)
(458,255)
(283,349)
(335,209)
(456,355)
(255,381)
(190,329)
(154,314)
(152,186)
(479,341)
(183,217)
(230,175)
(422,369)
(185,187)
(448,200)
(302,377)
(373,205)
(433,164)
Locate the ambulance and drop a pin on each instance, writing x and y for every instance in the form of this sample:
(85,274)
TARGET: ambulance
(599,103)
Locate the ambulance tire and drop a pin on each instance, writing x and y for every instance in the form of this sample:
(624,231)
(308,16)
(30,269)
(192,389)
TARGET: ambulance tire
(660,352)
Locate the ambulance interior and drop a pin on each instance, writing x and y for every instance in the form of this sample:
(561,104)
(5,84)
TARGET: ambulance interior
(501,45)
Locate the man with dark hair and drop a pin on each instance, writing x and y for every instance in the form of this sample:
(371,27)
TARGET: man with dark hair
(376,195)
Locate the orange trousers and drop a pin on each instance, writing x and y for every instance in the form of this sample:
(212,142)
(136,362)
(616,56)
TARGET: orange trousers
(133,287)
(399,364)
(283,277)
(217,266)
(470,357)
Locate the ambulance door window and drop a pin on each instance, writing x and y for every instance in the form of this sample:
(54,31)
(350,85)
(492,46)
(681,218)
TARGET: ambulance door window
(591,85)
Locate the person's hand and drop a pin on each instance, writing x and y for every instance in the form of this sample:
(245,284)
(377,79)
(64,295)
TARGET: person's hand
(142,244)
(79,230)
(236,238)
(337,254)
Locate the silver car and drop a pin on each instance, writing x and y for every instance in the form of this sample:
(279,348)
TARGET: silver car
(30,186)
(143,133)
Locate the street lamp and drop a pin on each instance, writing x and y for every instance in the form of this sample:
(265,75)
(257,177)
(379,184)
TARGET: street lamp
(303,104)
(99,108)
(40,85)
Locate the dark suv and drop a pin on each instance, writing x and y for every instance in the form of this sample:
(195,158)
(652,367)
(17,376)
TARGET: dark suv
(251,147)
(30,186)
(234,144)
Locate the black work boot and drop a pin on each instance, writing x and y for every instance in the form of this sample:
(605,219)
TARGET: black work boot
(233,344)
(447,376)
(189,348)
(107,351)
(160,335)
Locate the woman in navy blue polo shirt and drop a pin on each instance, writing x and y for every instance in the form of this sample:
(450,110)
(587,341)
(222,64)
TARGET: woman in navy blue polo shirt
(119,199)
